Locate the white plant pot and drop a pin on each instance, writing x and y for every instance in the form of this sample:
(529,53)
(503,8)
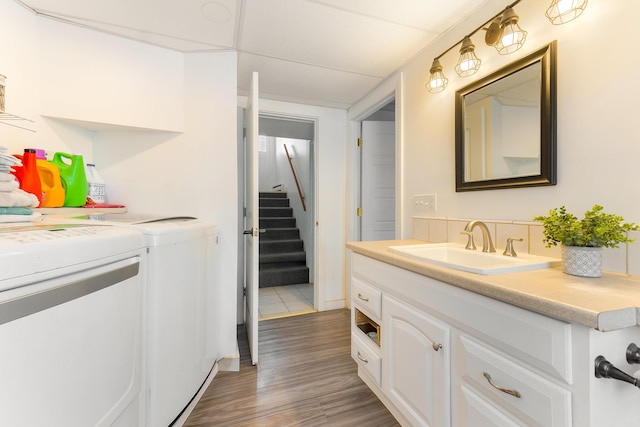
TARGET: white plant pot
(582,261)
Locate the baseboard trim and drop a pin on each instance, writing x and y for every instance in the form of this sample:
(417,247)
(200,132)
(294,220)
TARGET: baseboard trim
(230,363)
(333,305)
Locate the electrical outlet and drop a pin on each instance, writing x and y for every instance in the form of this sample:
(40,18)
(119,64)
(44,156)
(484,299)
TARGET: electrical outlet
(424,203)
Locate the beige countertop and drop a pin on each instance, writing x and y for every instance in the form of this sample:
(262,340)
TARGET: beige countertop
(606,303)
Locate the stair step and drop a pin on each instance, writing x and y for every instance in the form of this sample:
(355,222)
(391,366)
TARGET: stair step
(278,222)
(273,202)
(282,256)
(288,258)
(280,234)
(284,245)
(272,194)
(283,276)
(275,212)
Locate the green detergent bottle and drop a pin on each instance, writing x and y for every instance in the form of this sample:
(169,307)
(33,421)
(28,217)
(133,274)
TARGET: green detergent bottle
(73,177)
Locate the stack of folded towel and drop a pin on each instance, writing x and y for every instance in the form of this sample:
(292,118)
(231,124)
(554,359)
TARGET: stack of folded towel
(13,200)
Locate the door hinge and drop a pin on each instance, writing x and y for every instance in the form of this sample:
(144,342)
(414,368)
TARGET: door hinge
(244,292)
(359,142)
(359,211)
(244,132)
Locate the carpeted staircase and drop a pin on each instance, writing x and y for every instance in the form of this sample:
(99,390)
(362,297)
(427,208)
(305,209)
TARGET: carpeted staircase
(283,260)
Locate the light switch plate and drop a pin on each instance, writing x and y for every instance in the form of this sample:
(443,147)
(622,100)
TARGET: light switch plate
(424,203)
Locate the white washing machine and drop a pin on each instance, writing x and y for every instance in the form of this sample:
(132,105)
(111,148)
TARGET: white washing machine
(71,325)
(181,337)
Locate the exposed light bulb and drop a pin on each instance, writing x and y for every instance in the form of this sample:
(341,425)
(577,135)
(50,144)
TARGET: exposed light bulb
(513,36)
(563,11)
(468,63)
(437,81)
(564,6)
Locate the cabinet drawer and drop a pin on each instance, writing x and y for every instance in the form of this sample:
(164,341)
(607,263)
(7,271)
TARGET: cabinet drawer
(474,410)
(366,357)
(538,340)
(366,297)
(540,402)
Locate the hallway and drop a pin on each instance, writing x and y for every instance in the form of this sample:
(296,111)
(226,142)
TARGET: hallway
(305,377)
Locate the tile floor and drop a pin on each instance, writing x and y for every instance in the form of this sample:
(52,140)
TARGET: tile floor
(282,301)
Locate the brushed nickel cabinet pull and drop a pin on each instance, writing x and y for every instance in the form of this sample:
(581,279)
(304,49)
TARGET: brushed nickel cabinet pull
(436,346)
(362,358)
(515,393)
(362,298)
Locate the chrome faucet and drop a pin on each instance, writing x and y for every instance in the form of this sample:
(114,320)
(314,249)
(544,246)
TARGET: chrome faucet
(487,243)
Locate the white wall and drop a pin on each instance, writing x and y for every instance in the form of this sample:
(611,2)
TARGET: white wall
(125,122)
(187,173)
(267,173)
(597,142)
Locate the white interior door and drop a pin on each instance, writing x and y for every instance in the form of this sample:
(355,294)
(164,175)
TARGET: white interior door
(252,234)
(378,181)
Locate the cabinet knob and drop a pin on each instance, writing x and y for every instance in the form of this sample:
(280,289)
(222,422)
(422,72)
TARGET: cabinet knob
(361,358)
(363,298)
(515,393)
(436,346)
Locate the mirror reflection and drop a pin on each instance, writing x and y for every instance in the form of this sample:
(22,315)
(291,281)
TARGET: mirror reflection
(505,126)
(502,136)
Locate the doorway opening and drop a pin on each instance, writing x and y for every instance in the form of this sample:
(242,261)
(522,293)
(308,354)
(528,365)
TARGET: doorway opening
(287,220)
(377,189)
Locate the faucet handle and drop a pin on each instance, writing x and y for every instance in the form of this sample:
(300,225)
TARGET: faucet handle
(471,245)
(509,251)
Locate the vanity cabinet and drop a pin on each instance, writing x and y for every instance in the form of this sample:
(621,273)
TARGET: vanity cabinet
(415,363)
(451,357)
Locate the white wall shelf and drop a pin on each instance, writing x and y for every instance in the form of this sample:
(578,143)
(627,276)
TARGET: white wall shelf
(15,121)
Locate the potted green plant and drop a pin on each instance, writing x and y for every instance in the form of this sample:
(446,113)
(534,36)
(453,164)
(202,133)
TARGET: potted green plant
(582,240)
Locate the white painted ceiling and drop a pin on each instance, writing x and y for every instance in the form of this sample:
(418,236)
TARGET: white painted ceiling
(318,52)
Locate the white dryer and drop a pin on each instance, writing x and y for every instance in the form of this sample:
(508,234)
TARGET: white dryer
(181,337)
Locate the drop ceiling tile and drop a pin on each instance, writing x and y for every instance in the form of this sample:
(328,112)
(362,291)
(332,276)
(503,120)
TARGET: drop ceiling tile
(428,15)
(303,83)
(312,33)
(195,24)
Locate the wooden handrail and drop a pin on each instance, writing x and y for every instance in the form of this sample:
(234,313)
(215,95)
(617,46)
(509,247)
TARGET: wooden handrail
(295,177)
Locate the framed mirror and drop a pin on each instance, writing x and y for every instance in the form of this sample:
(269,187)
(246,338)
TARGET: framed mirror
(506,126)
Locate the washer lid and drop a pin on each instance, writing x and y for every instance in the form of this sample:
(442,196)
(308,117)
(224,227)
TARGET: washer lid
(129,218)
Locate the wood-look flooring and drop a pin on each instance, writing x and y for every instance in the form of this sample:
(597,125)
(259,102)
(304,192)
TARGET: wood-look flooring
(305,377)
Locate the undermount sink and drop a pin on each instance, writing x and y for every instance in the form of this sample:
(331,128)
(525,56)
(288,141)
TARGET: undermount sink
(456,256)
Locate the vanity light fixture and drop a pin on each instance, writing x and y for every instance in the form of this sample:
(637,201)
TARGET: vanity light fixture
(504,25)
(563,11)
(502,32)
(437,81)
(512,37)
(469,63)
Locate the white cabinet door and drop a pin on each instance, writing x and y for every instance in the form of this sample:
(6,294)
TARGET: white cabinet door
(416,364)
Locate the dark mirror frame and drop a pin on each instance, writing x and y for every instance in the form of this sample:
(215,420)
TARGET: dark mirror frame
(548,161)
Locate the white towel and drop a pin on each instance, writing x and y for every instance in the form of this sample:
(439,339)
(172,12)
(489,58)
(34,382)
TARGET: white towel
(5,176)
(18,199)
(7,186)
